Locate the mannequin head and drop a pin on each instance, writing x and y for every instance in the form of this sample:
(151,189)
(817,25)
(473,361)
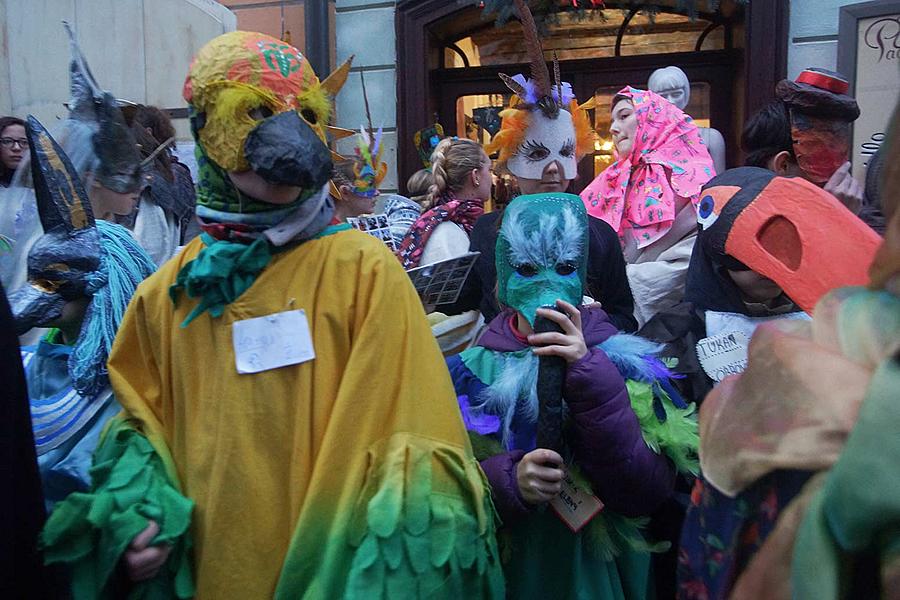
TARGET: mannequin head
(672,84)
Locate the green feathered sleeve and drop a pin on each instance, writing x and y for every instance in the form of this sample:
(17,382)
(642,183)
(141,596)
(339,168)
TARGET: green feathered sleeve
(676,434)
(90,531)
(424,525)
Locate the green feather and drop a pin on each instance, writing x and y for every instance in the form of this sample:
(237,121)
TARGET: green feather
(677,437)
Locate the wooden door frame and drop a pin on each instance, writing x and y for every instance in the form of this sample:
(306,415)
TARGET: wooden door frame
(764,62)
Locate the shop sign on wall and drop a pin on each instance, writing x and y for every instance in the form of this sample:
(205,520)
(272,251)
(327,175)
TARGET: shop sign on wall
(869,55)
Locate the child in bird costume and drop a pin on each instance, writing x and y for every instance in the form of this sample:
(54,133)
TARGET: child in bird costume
(81,275)
(785,411)
(253,363)
(620,435)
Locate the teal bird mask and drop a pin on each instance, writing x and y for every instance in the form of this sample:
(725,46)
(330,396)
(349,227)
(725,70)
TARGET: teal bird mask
(542,252)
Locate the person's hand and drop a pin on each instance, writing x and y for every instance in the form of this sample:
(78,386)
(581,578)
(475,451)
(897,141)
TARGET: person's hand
(570,343)
(142,561)
(843,186)
(539,475)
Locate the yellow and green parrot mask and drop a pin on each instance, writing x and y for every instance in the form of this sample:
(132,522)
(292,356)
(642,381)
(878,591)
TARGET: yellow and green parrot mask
(256,104)
(241,76)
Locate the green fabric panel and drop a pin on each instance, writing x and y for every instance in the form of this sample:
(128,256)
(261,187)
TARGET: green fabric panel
(486,364)
(678,436)
(858,508)
(216,190)
(574,569)
(90,531)
(223,270)
(411,534)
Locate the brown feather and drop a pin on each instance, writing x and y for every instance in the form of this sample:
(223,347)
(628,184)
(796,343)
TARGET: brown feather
(539,71)
(514,86)
(557,78)
(362,80)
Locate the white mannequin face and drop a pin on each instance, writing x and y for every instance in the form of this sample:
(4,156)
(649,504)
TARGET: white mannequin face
(677,96)
(672,84)
(546,141)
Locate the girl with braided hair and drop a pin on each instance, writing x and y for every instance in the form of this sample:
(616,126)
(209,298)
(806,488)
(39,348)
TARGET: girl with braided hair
(462,184)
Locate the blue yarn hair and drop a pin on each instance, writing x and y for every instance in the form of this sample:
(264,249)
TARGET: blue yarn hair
(123,266)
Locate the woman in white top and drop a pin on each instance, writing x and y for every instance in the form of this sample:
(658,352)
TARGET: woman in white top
(462,184)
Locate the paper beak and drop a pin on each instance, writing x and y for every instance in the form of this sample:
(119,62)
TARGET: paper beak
(33,307)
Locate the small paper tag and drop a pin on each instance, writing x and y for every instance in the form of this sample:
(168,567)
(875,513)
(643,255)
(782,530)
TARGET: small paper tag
(273,341)
(574,505)
(723,355)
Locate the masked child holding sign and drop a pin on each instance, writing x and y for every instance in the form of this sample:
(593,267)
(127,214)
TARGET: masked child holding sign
(623,432)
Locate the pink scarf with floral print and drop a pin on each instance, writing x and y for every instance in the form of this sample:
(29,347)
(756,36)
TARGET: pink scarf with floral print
(636,194)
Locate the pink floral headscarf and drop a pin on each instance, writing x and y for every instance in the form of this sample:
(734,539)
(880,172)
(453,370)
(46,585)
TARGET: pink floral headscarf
(636,194)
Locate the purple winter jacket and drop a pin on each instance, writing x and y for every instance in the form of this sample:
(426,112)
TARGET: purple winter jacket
(625,473)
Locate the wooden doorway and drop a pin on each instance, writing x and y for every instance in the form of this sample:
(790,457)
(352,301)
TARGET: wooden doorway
(434,34)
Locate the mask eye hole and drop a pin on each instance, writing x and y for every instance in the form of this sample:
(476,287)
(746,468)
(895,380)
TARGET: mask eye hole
(568,150)
(309,115)
(259,113)
(565,269)
(526,270)
(45,285)
(534,151)
(706,215)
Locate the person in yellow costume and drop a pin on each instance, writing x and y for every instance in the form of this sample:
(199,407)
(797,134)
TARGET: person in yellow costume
(288,383)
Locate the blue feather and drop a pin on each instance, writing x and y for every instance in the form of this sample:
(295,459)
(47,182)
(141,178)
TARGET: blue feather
(637,359)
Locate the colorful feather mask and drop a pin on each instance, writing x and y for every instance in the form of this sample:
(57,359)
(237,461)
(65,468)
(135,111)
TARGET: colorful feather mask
(368,169)
(543,122)
(541,253)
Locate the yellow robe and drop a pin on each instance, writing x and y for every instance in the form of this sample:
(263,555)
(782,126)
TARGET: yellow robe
(305,461)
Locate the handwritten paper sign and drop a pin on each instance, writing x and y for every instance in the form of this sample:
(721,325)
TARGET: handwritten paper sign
(272,341)
(574,505)
(723,355)
(724,352)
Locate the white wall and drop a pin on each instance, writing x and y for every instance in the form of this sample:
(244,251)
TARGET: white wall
(365,28)
(814,34)
(139,50)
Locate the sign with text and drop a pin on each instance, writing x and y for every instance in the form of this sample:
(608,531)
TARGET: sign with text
(869,54)
(575,505)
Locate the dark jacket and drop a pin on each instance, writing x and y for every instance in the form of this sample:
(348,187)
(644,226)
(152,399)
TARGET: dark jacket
(606,439)
(22,572)
(606,279)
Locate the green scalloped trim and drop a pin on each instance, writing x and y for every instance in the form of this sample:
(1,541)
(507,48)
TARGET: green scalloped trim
(90,531)
(423,526)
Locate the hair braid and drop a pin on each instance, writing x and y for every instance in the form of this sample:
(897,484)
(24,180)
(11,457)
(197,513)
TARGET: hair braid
(451,163)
